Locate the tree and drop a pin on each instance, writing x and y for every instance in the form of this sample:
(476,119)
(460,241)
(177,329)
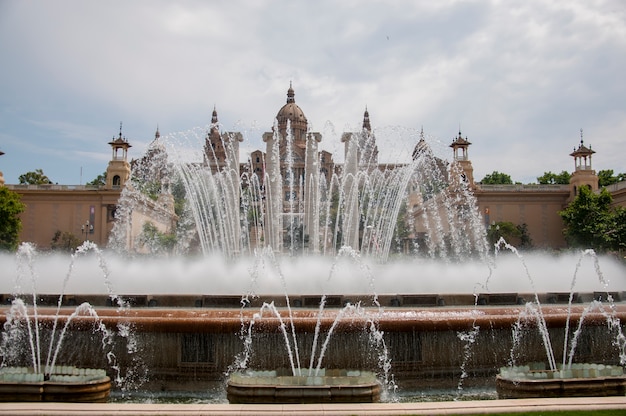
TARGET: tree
(100,180)
(496,178)
(156,241)
(516,235)
(591,222)
(10,224)
(549,178)
(606,177)
(65,241)
(34,178)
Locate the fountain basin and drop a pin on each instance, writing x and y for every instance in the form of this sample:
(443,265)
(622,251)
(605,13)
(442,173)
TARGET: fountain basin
(17,385)
(334,386)
(592,380)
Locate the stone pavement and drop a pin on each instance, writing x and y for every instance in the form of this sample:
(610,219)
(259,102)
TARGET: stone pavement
(423,408)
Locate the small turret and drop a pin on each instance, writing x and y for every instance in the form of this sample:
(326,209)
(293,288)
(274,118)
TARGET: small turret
(460,147)
(118,171)
(583,175)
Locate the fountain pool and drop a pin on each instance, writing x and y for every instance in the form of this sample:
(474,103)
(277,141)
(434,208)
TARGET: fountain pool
(433,307)
(199,331)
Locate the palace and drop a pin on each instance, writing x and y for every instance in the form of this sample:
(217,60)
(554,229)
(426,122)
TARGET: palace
(292,153)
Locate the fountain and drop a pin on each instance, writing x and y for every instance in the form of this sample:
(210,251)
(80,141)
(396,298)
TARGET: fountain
(395,281)
(565,379)
(36,373)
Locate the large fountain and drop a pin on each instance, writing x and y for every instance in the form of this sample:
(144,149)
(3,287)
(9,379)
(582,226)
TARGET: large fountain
(296,278)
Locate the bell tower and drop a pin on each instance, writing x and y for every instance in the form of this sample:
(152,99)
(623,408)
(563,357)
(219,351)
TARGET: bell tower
(459,147)
(118,171)
(583,175)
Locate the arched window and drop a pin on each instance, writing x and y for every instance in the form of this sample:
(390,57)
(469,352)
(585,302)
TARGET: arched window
(117,181)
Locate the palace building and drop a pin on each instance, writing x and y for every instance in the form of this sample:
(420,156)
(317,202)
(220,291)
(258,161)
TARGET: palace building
(292,153)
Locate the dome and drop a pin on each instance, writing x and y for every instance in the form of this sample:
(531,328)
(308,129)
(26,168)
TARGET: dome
(291,111)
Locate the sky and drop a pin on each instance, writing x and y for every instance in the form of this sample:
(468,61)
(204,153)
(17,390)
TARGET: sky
(518,78)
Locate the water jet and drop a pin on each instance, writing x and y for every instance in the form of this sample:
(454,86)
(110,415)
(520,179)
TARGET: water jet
(423,294)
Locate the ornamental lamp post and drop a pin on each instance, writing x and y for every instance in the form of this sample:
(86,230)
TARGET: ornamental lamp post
(86,229)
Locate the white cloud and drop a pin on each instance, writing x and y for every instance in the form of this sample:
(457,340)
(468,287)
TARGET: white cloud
(519,77)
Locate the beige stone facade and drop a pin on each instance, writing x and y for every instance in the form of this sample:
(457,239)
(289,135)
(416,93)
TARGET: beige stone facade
(84,211)
(89,212)
(537,206)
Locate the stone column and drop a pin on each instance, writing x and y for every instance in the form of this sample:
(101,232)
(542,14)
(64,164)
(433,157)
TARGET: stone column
(273,221)
(350,185)
(311,191)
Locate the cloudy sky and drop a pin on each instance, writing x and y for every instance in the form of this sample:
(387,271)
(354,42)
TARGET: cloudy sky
(519,78)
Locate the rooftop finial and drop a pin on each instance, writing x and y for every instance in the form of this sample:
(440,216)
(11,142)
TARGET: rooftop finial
(581,136)
(120,129)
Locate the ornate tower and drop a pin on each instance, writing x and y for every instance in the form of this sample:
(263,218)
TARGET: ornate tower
(214,149)
(583,174)
(118,170)
(459,148)
(361,155)
(292,169)
(293,113)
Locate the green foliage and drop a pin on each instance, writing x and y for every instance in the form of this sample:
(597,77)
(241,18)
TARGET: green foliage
(606,177)
(591,222)
(180,195)
(496,178)
(156,241)
(402,230)
(550,178)
(34,178)
(65,241)
(100,180)
(10,224)
(516,235)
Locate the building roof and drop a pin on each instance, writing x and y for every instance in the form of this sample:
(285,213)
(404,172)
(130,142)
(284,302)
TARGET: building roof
(460,141)
(292,112)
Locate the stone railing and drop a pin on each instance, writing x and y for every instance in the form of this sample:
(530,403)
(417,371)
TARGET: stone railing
(616,186)
(523,188)
(53,187)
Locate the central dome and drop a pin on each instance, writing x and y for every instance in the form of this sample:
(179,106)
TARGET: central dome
(291,111)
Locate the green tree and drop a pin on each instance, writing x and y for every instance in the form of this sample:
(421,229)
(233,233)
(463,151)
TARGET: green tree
(496,178)
(503,229)
(591,222)
(516,235)
(156,241)
(65,241)
(10,224)
(100,180)
(550,178)
(606,177)
(525,240)
(34,178)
